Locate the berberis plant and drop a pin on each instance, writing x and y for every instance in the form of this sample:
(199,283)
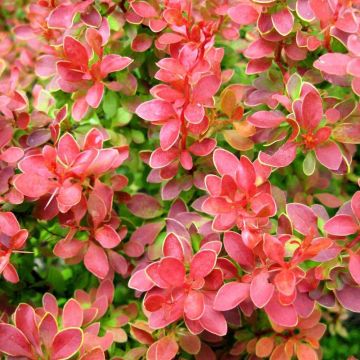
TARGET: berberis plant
(178,178)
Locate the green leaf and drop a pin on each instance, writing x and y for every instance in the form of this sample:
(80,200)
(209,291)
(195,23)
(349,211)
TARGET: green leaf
(110,104)
(309,163)
(293,86)
(123,117)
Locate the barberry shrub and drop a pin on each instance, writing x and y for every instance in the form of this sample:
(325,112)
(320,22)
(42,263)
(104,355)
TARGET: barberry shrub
(178,178)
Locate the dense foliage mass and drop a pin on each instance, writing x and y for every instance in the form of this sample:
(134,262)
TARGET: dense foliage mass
(178,178)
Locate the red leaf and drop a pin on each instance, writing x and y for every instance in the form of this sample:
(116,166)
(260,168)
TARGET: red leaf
(305,352)
(75,52)
(72,315)
(349,298)
(283,21)
(140,281)
(266,119)
(160,158)
(143,9)
(261,290)
(231,295)
(112,63)
(155,110)
(354,267)
(68,149)
(243,14)
(194,305)
(25,321)
(329,155)
(285,282)
(172,271)
(303,218)
(107,237)
(66,343)
(202,264)
(341,225)
(333,63)
(144,206)
(169,134)
(96,261)
(95,94)
(205,89)
(236,248)
(280,314)
(225,162)
(32,185)
(282,157)
(164,349)
(13,342)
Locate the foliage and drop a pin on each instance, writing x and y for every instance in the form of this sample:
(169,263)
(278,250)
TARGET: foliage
(178,179)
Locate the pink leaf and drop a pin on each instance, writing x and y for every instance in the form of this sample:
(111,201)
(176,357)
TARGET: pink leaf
(329,155)
(164,349)
(214,322)
(66,343)
(266,119)
(282,157)
(160,158)
(194,305)
(173,247)
(333,63)
(280,314)
(349,298)
(231,295)
(75,52)
(143,9)
(32,185)
(144,206)
(259,48)
(72,315)
(96,261)
(243,14)
(69,195)
(203,147)
(354,267)
(285,282)
(68,148)
(312,110)
(202,264)
(95,94)
(140,281)
(303,218)
(172,271)
(25,321)
(169,133)
(341,225)
(283,21)
(261,290)
(61,17)
(155,110)
(206,88)
(107,237)
(112,63)
(13,342)
(48,329)
(79,109)
(306,352)
(225,162)
(236,248)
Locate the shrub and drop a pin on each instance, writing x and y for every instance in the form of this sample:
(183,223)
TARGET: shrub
(178,178)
